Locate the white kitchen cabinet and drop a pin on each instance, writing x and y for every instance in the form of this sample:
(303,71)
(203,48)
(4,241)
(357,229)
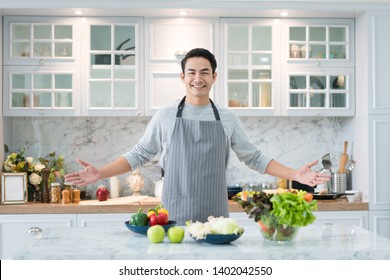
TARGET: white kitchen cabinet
(250,65)
(112,62)
(379,151)
(379,222)
(358,218)
(41,66)
(379,90)
(41,91)
(102,220)
(42,40)
(14,229)
(318,70)
(168,40)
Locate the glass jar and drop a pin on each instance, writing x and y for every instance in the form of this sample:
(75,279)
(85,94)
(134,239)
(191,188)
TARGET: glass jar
(55,192)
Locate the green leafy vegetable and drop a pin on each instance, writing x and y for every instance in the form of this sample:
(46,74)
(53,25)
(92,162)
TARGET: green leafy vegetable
(292,209)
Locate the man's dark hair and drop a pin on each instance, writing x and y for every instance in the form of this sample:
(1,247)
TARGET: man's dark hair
(199,52)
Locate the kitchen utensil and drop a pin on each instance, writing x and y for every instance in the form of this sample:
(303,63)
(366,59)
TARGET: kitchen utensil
(339,182)
(326,161)
(343,158)
(349,169)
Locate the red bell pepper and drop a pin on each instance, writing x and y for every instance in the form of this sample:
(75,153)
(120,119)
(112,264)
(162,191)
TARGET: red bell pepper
(158,218)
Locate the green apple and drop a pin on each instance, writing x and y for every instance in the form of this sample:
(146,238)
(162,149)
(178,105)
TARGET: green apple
(156,234)
(176,234)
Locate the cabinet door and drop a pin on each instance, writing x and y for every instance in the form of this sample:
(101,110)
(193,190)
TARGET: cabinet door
(379,97)
(357,218)
(379,151)
(318,67)
(169,40)
(42,40)
(250,66)
(14,229)
(329,42)
(41,91)
(380,222)
(319,92)
(112,57)
(102,220)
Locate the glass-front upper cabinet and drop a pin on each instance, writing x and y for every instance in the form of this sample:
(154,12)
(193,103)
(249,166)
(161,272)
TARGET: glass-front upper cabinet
(325,41)
(47,91)
(250,62)
(41,41)
(318,69)
(320,93)
(112,56)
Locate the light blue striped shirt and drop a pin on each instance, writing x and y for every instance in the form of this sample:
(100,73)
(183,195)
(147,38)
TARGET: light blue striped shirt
(158,134)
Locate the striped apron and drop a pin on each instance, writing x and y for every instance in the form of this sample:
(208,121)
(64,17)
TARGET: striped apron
(195,173)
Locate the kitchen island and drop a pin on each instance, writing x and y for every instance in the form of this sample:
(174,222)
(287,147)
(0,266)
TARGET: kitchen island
(314,242)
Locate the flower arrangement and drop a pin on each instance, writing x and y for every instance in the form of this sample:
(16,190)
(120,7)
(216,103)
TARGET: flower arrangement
(17,162)
(278,214)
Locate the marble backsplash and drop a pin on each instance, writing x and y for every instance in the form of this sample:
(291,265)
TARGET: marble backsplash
(293,141)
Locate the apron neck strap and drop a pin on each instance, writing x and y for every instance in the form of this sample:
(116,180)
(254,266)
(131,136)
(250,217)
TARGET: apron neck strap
(181,106)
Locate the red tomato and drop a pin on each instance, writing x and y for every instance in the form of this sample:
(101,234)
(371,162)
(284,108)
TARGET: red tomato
(308,197)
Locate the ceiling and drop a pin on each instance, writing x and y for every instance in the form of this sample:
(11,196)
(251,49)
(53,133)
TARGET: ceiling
(195,8)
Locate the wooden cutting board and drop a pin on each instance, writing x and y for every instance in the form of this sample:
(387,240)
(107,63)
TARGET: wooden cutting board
(134,200)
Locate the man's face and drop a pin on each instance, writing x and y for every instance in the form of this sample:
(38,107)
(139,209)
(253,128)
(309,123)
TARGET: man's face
(198,78)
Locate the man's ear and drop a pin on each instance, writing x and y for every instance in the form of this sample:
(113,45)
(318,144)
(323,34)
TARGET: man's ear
(182,76)
(215,76)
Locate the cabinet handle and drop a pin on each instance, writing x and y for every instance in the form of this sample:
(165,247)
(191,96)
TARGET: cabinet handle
(41,112)
(318,64)
(138,113)
(41,62)
(34,231)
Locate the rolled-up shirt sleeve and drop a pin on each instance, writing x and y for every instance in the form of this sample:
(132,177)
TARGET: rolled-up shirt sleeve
(247,152)
(148,146)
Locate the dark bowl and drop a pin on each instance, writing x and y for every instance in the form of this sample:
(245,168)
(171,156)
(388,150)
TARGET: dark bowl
(233,190)
(219,238)
(143,229)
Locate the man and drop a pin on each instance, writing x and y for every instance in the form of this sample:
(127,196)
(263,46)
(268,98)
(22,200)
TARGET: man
(194,139)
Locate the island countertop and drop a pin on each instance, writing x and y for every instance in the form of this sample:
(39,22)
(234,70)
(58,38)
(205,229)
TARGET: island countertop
(340,204)
(314,242)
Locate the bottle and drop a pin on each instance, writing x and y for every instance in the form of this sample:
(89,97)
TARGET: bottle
(76,195)
(65,196)
(114,187)
(68,186)
(55,192)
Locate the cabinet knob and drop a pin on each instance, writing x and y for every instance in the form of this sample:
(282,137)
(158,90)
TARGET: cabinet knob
(41,112)
(318,63)
(318,113)
(138,113)
(41,62)
(34,231)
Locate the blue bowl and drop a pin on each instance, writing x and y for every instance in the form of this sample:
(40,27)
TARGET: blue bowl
(219,238)
(143,229)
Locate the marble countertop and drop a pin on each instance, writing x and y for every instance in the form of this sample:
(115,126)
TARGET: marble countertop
(314,242)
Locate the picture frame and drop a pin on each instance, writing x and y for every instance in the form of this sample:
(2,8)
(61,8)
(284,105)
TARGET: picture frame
(14,188)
